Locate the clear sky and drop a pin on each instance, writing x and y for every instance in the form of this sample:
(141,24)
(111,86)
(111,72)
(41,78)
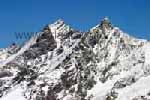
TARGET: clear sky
(132,16)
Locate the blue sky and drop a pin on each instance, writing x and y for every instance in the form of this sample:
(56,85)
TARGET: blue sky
(132,16)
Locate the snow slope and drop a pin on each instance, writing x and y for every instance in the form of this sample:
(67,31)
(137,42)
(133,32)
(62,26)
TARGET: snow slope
(21,51)
(140,88)
(15,94)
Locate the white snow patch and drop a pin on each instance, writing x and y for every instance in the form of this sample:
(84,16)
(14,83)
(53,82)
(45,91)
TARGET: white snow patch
(23,49)
(100,90)
(14,95)
(140,88)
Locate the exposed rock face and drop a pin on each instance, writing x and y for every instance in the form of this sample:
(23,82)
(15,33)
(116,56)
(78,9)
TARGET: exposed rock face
(44,43)
(5,74)
(65,64)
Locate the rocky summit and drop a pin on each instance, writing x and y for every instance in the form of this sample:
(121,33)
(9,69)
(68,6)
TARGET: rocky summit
(61,63)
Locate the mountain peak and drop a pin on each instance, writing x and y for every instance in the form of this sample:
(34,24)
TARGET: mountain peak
(59,28)
(65,64)
(59,21)
(106,19)
(105,23)
(58,25)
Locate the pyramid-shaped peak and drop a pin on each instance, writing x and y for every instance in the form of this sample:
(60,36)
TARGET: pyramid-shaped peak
(105,23)
(59,21)
(57,24)
(105,20)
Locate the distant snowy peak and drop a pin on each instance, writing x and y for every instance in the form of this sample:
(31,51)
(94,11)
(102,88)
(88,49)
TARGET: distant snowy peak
(62,31)
(52,37)
(59,28)
(107,31)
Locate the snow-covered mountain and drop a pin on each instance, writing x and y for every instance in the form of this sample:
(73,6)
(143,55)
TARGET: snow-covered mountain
(61,63)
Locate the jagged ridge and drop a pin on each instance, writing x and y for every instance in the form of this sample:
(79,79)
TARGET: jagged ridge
(66,64)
